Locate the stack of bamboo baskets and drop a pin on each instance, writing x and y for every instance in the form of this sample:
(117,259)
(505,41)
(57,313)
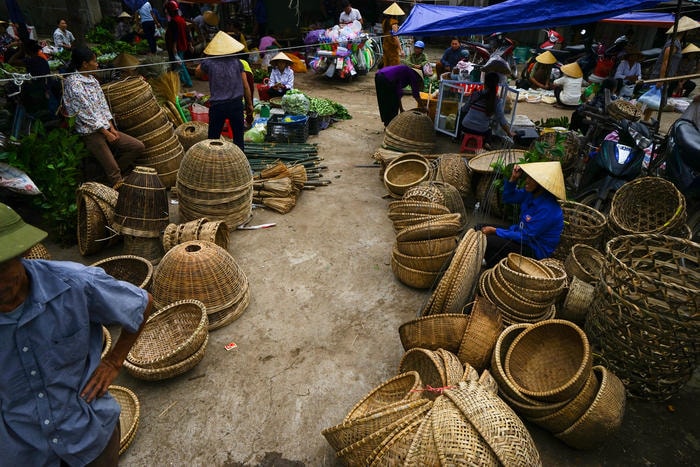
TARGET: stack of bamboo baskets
(95,203)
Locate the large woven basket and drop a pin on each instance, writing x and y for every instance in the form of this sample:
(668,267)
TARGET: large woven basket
(92,233)
(443,331)
(133,269)
(647,205)
(142,207)
(431,247)
(584,262)
(402,175)
(191,133)
(409,131)
(429,365)
(403,387)
(479,338)
(124,91)
(415,278)
(157,120)
(434,263)
(158,374)
(453,169)
(203,271)
(549,361)
(582,224)
(129,415)
(170,335)
(530,281)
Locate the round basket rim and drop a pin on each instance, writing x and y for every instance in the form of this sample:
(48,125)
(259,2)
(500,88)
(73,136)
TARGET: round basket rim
(133,409)
(155,374)
(139,259)
(481,163)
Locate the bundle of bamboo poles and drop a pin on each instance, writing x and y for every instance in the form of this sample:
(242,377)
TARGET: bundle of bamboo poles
(264,155)
(278,185)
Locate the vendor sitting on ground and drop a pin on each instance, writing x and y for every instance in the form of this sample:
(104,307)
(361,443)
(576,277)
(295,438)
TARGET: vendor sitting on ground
(281,76)
(450,58)
(483,108)
(389,83)
(628,72)
(567,89)
(418,59)
(541,223)
(538,73)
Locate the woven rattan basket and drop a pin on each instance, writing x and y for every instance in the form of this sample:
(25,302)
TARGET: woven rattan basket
(409,131)
(529,281)
(142,207)
(517,306)
(150,249)
(191,133)
(434,263)
(133,269)
(392,451)
(480,335)
(158,374)
(203,271)
(431,247)
(416,207)
(549,361)
(429,366)
(415,278)
(622,109)
(453,169)
(488,195)
(483,163)
(91,233)
(106,342)
(423,450)
(135,115)
(129,415)
(170,335)
(403,387)
(402,175)
(647,205)
(578,301)
(584,262)
(540,297)
(158,120)
(38,251)
(447,225)
(443,331)
(602,418)
(582,224)
(426,192)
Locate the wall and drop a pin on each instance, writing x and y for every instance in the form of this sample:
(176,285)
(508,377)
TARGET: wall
(81,15)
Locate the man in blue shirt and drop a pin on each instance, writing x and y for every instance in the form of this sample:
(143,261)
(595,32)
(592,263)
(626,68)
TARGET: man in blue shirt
(54,406)
(450,58)
(541,218)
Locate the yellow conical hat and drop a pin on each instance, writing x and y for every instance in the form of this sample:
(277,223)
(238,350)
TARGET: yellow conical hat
(684,24)
(281,56)
(690,48)
(125,60)
(548,175)
(223,44)
(394,10)
(546,58)
(572,69)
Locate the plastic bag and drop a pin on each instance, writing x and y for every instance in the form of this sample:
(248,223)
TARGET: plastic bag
(16,180)
(652,98)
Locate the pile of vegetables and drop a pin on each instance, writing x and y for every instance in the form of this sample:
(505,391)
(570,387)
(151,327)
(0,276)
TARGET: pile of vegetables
(325,107)
(295,102)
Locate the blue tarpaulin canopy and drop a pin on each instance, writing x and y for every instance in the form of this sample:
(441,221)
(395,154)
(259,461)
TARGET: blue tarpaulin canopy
(513,15)
(643,18)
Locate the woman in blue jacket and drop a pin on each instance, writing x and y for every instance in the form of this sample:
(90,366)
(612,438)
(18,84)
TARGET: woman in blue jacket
(541,218)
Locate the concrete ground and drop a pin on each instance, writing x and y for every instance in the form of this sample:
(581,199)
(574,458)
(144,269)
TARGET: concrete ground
(321,329)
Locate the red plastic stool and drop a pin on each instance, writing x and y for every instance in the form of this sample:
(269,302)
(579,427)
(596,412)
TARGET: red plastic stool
(226,130)
(467,146)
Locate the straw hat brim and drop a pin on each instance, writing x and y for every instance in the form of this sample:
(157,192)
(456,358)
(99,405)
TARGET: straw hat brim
(210,18)
(548,175)
(394,10)
(546,58)
(690,48)
(572,69)
(684,24)
(281,56)
(124,14)
(125,60)
(223,44)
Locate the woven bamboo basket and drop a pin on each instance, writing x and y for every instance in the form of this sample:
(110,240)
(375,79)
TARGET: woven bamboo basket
(148,248)
(578,301)
(429,365)
(393,450)
(142,208)
(158,120)
(575,408)
(135,115)
(123,91)
(402,175)
(424,263)
(223,318)
(105,197)
(132,269)
(622,109)
(529,281)
(398,156)
(158,136)
(400,388)
(129,415)
(191,133)
(448,225)
(483,163)
(425,192)
(138,99)
(443,331)
(518,306)
(158,152)
(454,370)
(416,207)
(497,424)
(167,165)
(106,342)
(203,271)
(584,262)
(415,278)
(571,144)
(216,232)
(410,130)
(91,232)
(453,199)
(582,224)
(158,374)
(453,169)
(549,361)
(415,219)
(602,418)
(510,314)
(423,450)
(215,181)
(432,247)
(529,266)
(541,297)
(483,328)
(488,195)
(170,335)
(647,205)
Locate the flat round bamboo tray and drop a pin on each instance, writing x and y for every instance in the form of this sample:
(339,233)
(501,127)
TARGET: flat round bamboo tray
(106,342)
(602,418)
(647,205)
(429,366)
(483,328)
(483,163)
(170,335)
(549,361)
(413,277)
(158,374)
(129,414)
(402,175)
(584,262)
(402,387)
(443,331)
(431,247)
(133,269)
(191,133)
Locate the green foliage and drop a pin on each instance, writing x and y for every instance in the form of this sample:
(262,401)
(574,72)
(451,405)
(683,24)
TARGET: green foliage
(53,161)
(259,75)
(540,151)
(552,122)
(101,34)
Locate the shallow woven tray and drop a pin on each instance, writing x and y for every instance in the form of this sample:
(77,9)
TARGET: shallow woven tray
(434,332)
(448,225)
(133,269)
(479,338)
(432,247)
(403,206)
(401,387)
(157,374)
(528,266)
(481,163)
(170,335)
(549,361)
(424,263)
(129,415)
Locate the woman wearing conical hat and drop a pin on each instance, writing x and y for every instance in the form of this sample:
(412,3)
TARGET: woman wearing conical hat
(538,233)
(281,76)
(567,89)
(391,45)
(537,75)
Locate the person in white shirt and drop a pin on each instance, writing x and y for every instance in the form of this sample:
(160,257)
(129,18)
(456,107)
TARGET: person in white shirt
(62,37)
(281,76)
(349,14)
(567,89)
(629,71)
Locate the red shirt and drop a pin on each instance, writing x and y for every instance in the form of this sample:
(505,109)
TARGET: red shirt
(177,33)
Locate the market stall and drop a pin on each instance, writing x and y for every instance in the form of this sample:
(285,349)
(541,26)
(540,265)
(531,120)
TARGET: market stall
(344,52)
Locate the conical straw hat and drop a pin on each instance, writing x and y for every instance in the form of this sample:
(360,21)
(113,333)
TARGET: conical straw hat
(125,60)
(124,14)
(548,175)
(690,48)
(684,24)
(281,56)
(210,18)
(223,44)
(546,58)
(394,10)
(572,69)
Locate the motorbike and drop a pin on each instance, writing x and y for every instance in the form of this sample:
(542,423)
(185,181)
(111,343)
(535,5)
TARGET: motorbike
(479,53)
(501,47)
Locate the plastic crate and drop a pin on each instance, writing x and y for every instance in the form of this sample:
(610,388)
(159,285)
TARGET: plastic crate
(294,131)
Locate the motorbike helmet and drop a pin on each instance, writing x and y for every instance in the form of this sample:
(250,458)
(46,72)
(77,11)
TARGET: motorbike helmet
(419,44)
(172,5)
(464,53)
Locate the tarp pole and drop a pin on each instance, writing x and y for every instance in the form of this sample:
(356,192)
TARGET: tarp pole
(664,87)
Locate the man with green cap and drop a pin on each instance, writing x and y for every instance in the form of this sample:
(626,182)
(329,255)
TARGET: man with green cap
(54,404)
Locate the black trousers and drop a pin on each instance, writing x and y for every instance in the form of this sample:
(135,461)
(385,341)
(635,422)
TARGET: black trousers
(387,99)
(233,111)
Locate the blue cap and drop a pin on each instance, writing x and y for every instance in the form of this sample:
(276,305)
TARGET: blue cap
(419,44)
(464,53)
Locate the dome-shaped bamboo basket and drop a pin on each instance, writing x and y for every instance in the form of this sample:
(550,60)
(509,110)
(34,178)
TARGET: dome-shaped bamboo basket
(142,208)
(206,272)
(215,181)
(191,133)
(453,169)
(410,131)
